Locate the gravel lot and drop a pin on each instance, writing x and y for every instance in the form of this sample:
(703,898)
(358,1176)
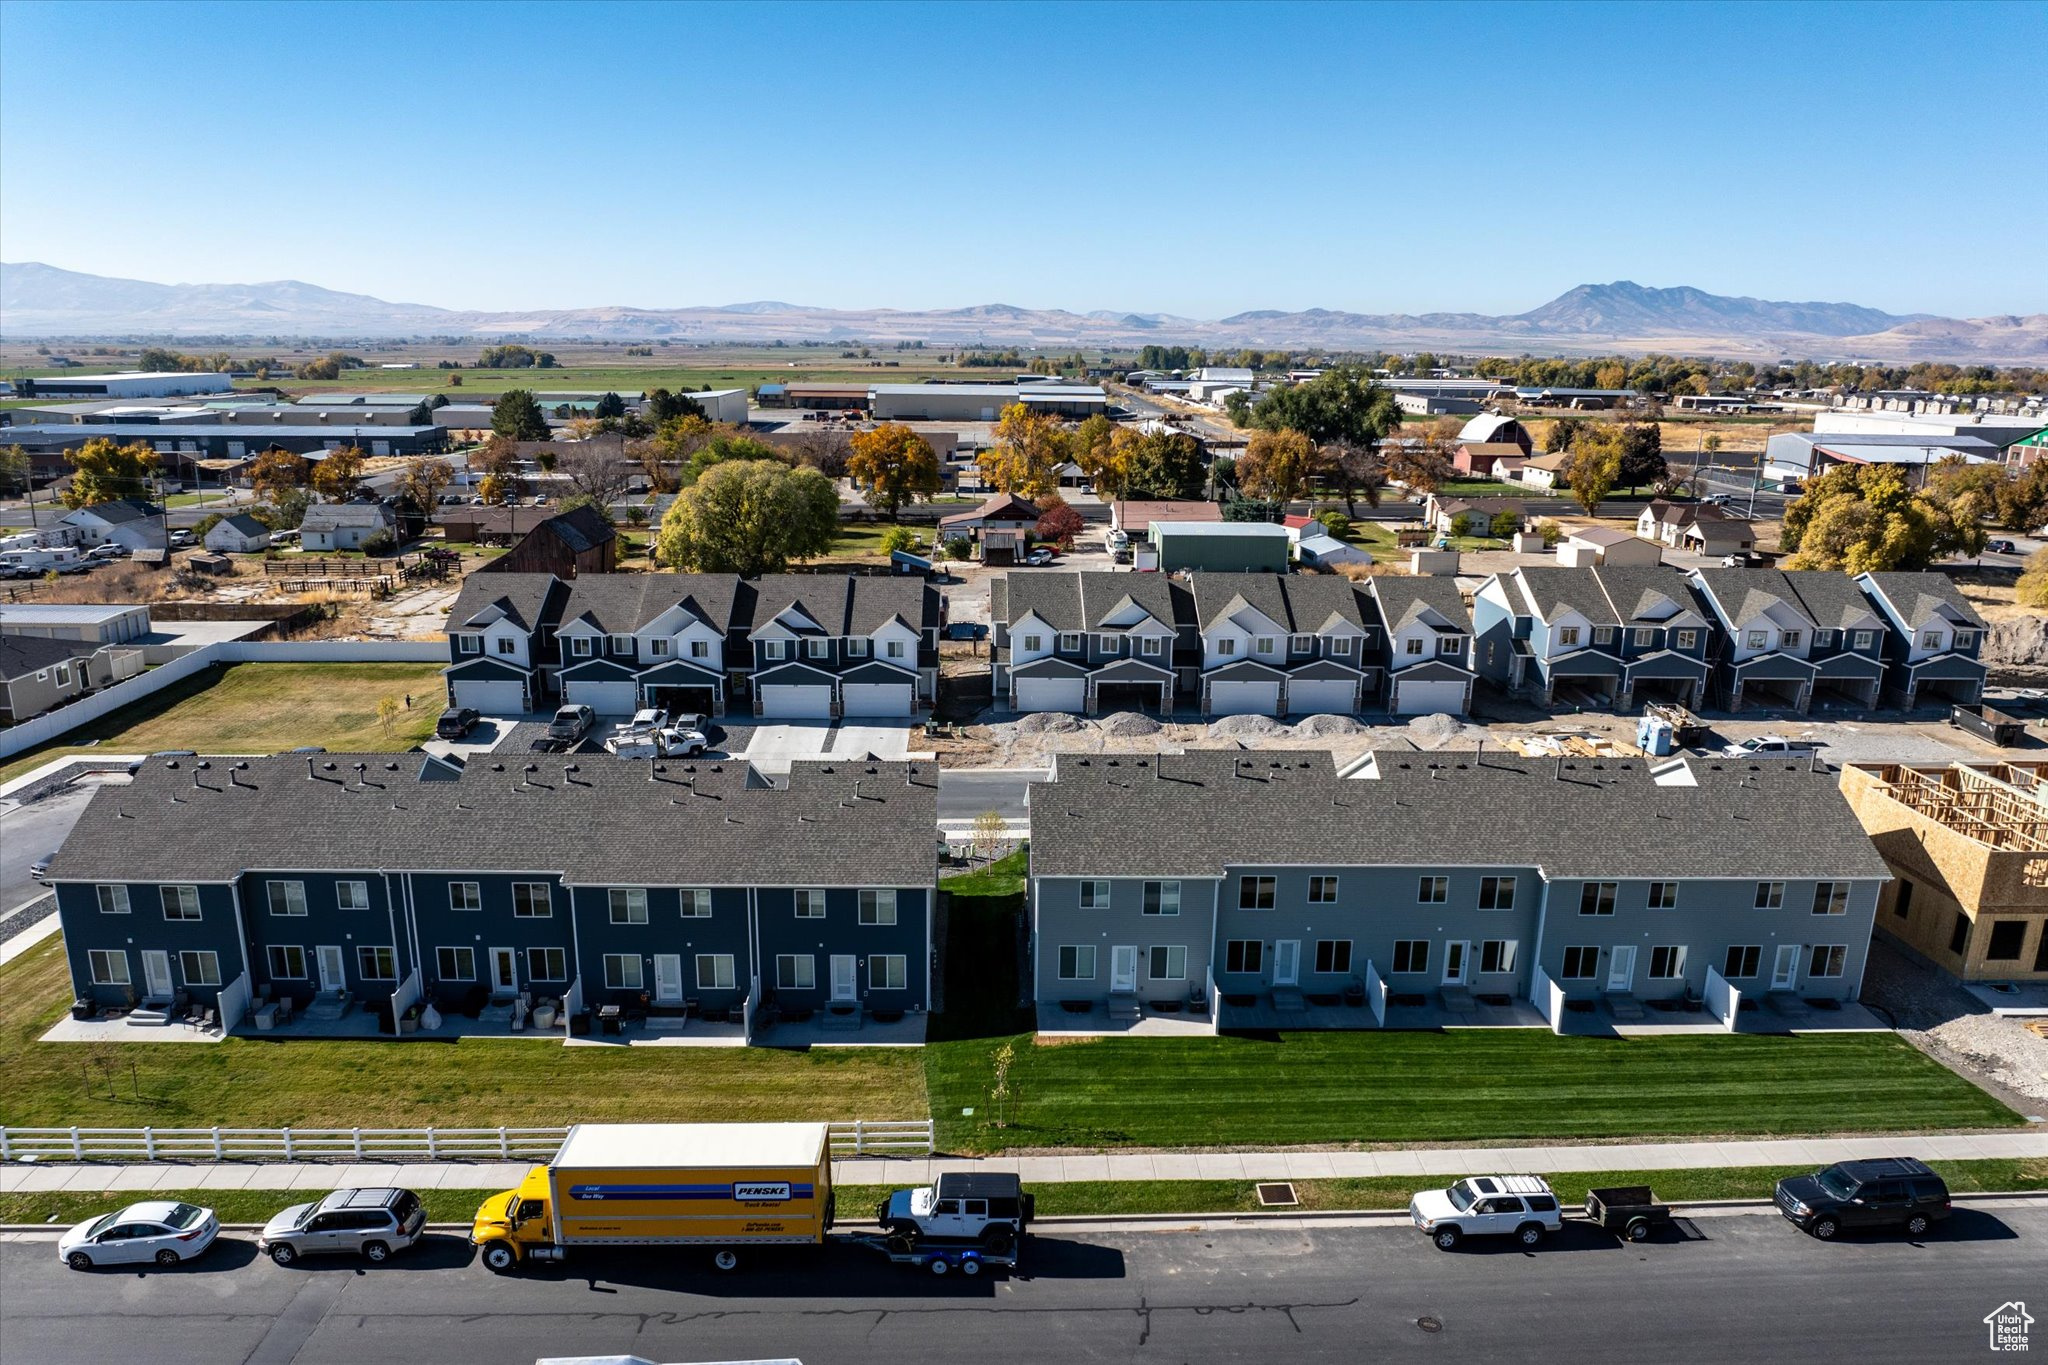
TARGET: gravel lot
(1954,1027)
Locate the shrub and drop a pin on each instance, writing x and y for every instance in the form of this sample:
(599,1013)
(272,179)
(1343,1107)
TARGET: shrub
(957,548)
(1505,524)
(1337,524)
(379,543)
(898,538)
(1551,533)
(1463,524)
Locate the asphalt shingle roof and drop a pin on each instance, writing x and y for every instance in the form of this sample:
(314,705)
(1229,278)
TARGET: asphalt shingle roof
(21,655)
(623,603)
(1563,589)
(1921,596)
(1402,597)
(523,597)
(1636,590)
(1832,599)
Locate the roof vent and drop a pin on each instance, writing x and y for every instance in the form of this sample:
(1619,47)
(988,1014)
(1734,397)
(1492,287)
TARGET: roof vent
(172,764)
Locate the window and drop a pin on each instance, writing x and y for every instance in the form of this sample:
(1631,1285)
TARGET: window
(1149,646)
(1106,644)
(622,971)
(1265,644)
(1862,639)
(547,964)
(1568,636)
(579,646)
(818,647)
(1077,962)
(199,968)
(352,895)
(1827,959)
(469,644)
(796,972)
(377,964)
(628,904)
(1162,898)
(1302,644)
(699,649)
(287,899)
(774,649)
(1169,963)
(1663,896)
(507,645)
(1433,891)
(1667,962)
(885,972)
(1742,961)
(895,649)
(1757,639)
(856,648)
(878,907)
(1333,956)
(1244,955)
(181,902)
(1770,895)
(1902,904)
(110,968)
(1688,639)
(1581,962)
(1597,898)
(810,904)
(1340,648)
(114,900)
(1034,643)
(1959,936)
(622,644)
(1411,955)
(455,964)
(1966,639)
(1322,890)
(1226,647)
(1413,645)
(2006,937)
(1255,893)
(1095,895)
(657,648)
(1790,639)
(1823,638)
(287,962)
(714,972)
(1070,641)
(1498,954)
(530,901)
(1930,639)
(1451,645)
(1641,637)
(696,902)
(1496,893)
(1831,898)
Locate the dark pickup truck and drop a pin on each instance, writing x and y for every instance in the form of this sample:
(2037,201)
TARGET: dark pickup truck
(1988,723)
(1630,1211)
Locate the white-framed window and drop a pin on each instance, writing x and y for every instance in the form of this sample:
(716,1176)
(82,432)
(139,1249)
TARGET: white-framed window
(469,644)
(774,649)
(1226,647)
(1662,896)
(700,649)
(1757,639)
(628,904)
(530,901)
(1770,895)
(1496,893)
(696,902)
(455,964)
(1411,955)
(377,963)
(199,967)
(796,972)
(113,899)
(1667,961)
(1862,639)
(1301,644)
(878,906)
(507,645)
(1568,636)
(1823,638)
(1340,646)
(109,966)
(1581,962)
(1498,955)
(1077,962)
(1094,895)
(1451,645)
(1255,893)
(1070,641)
(1169,962)
(579,646)
(818,647)
(657,648)
(1433,891)
(1790,639)
(181,902)
(1034,643)
(1688,639)
(1642,637)
(1265,644)
(287,962)
(1827,959)
(1831,898)
(810,903)
(547,964)
(1603,635)
(886,972)
(1322,890)
(1162,898)
(1107,644)
(1742,961)
(1333,956)
(1966,639)
(1413,645)
(352,895)
(622,644)
(1148,646)
(1245,956)
(1597,898)
(287,899)
(895,649)
(856,647)
(1930,639)
(622,971)
(465,896)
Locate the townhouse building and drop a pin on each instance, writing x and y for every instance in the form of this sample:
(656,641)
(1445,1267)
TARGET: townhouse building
(1936,639)
(409,878)
(1228,883)
(1080,641)
(1623,634)
(1429,644)
(1789,638)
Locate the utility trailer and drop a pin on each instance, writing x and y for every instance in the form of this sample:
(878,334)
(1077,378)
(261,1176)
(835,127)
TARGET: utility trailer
(965,1258)
(1630,1211)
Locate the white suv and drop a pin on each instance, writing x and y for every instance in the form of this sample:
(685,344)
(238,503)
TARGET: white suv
(1521,1206)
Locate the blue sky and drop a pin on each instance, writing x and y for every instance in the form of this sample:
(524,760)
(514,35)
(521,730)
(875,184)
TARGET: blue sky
(1188,158)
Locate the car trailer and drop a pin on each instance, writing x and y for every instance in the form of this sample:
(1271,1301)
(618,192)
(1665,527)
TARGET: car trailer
(940,1258)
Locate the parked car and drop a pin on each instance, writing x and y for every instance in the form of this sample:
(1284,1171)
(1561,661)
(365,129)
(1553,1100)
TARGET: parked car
(1888,1191)
(1770,746)
(1717,500)
(369,1223)
(158,1230)
(1040,556)
(456,722)
(181,536)
(113,549)
(966,630)
(284,537)
(571,723)
(1520,1206)
(40,868)
(2001,547)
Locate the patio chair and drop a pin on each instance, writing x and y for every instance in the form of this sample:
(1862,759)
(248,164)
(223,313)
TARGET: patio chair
(207,1021)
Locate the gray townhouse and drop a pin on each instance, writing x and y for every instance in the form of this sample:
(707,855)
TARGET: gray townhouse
(1625,634)
(1936,638)
(1246,885)
(630,640)
(828,645)
(1428,649)
(1283,644)
(1082,641)
(407,877)
(1790,638)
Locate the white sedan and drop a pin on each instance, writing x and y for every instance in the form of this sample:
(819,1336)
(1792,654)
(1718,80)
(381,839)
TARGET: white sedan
(156,1230)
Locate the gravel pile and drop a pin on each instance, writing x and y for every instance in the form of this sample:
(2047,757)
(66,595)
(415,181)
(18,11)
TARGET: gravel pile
(2021,640)
(1049,723)
(1130,725)
(1246,727)
(1428,731)
(1953,1025)
(1323,727)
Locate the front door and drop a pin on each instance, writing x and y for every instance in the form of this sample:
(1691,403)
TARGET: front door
(504,971)
(1621,970)
(1123,969)
(1457,961)
(842,978)
(668,979)
(1785,968)
(332,977)
(156,973)
(1287,962)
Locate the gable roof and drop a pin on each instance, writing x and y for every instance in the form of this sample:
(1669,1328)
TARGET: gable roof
(1000,507)
(1920,597)
(1077,601)
(1405,598)
(523,598)
(1634,592)
(1832,599)
(1745,594)
(1137,515)
(245,524)
(620,604)
(328,516)
(1556,590)
(1215,592)
(21,655)
(117,512)
(580,529)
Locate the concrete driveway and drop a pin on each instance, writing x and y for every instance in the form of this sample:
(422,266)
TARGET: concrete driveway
(774,747)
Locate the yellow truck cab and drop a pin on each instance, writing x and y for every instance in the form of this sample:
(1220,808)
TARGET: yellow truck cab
(723,1186)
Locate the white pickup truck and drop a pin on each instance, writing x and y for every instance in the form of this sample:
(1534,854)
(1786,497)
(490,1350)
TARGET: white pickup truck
(668,742)
(1520,1206)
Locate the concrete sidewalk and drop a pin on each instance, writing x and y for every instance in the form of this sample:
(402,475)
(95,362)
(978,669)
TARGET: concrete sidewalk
(1047,1170)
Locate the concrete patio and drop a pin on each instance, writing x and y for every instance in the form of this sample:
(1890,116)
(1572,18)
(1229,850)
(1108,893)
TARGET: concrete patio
(69,1030)
(1056,1022)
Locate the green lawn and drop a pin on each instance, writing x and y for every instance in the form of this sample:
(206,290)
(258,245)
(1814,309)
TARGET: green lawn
(264,708)
(1000,879)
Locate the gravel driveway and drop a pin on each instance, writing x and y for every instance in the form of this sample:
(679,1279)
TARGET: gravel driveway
(1954,1027)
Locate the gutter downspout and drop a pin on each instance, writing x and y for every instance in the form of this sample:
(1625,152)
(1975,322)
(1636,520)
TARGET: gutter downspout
(242,935)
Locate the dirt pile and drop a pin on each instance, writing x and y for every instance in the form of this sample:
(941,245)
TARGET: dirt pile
(2018,641)
(1324,727)
(1130,725)
(1246,727)
(1432,730)
(1049,723)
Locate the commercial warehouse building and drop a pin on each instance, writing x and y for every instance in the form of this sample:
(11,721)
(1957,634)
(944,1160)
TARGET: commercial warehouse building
(981,402)
(127,384)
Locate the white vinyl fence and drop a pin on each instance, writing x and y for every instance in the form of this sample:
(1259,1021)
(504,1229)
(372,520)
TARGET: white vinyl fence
(858,1137)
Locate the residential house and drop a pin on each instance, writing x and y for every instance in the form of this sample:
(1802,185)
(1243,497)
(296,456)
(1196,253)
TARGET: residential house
(1219,546)
(128,522)
(1427,654)
(832,645)
(1442,513)
(240,534)
(577,541)
(1784,638)
(1587,546)
(1275,644)
(1488,459)
(1618,635)
(1935,640)
(500,637)
(491,525)
(1545,471)
(38,674)
(404,877)
(624,641)
(1080,642)
(1247,886)
(1699,527)
(1327,552)
(345,525)
(999,527)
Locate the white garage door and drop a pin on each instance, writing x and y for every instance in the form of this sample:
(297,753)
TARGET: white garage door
(605,698)
(1427,698)
(497,697)
(1321,697)
(812,702)
(1052,694)
(875,699)
(1244,698)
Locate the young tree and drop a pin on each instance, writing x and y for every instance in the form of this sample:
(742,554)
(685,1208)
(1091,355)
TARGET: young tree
(1058,523)
(517,416)
(1027,453)
(102,471)
(287,508)
(1278,465)
(891,465)
(749,517)
(1596,464)
(337,476)
(1506,524)
(898,538)
(1336,524)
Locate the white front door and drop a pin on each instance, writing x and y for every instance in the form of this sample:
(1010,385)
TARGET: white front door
(332,977)
(1457,961)
(156,973)
(1785,968)
(668,978)
(504,971)
(1621,970)
(1287,962)
(1123,969)
(842,978)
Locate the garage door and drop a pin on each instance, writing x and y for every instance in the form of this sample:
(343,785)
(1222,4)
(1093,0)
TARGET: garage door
(1051,694)
(1426,698)
(1325,696)
(497,697)
(1244,698)
(605,698)
(813,703)
(875,699)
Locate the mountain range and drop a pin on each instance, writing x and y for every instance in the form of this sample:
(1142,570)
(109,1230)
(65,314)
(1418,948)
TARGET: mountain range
(39,300)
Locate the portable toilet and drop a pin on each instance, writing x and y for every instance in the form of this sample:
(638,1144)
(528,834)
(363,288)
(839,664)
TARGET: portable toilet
(1653,736)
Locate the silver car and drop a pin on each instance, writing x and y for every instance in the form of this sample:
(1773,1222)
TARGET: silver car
(370,1223)
(158,1230)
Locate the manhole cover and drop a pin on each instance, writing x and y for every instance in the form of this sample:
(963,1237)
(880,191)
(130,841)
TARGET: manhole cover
(1276,1194)
(1430,1324)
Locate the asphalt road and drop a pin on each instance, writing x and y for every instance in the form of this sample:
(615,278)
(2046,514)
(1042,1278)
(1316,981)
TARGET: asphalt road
(967,792)
(1742,1288)
(29,832)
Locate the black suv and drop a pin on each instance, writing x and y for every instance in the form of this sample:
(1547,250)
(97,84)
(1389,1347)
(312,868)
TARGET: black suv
(1884,1192)
(456,722)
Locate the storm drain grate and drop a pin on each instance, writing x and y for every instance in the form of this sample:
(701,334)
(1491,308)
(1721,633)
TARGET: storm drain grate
(1276,1194)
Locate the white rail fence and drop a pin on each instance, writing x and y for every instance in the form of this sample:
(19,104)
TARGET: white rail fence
(858,1137)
